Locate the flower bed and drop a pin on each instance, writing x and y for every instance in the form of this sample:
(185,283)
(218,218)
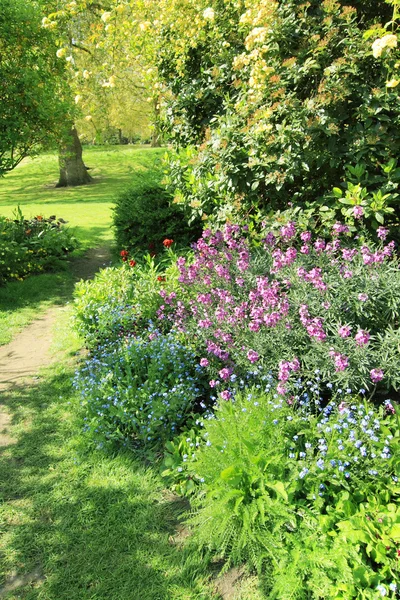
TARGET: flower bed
(269,373)
(33,245)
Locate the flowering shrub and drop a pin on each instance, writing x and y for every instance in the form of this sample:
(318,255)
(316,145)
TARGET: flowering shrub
(32,245)
(299,92)
(325,311)
(140,391)
(309,498)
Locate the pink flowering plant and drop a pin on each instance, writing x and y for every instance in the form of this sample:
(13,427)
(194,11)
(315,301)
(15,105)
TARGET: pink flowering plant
(297,307)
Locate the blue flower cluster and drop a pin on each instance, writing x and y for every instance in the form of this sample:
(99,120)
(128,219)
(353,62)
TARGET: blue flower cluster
(140,390)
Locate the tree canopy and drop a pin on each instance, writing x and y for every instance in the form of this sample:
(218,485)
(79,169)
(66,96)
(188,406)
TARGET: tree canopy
(34,97)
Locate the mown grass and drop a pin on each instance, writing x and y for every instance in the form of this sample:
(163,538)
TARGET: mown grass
(88,209)
(95,526)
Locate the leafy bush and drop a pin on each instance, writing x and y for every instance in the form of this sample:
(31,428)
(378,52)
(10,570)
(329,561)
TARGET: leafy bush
(144,216)
(140,391)
(301,92)
(34,245)
(120,301)
(298,307)
(308,498)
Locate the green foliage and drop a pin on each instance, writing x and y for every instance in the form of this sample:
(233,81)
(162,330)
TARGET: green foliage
(144,217)
(313,531)
(120,301)
(32,245)
(33,93)
(306,98)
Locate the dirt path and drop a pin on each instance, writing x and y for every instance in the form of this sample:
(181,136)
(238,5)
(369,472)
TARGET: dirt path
(22,358)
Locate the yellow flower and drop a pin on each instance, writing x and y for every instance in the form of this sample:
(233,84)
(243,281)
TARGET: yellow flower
(61,52)
(105,16)
(392,83)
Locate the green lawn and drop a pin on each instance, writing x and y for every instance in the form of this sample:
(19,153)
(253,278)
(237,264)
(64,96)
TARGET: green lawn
(95,526)
(86,208)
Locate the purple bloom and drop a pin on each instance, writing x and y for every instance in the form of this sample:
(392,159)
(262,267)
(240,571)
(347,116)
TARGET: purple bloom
(344,331)
(204,362)
(305,236)
(225,373)
(252,356)
(382,232)
(376,375)
(358,212)
(225,395)
(362,337)
(363,297)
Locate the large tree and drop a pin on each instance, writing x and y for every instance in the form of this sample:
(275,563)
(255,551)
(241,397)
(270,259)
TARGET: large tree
(34,99)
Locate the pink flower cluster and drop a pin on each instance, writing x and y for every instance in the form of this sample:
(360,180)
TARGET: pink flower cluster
(313,326)
(341,361)
(227,300)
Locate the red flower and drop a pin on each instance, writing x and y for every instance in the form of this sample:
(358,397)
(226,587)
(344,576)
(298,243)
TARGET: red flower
(132,263)
(124,253)
(168,243)
(160,278)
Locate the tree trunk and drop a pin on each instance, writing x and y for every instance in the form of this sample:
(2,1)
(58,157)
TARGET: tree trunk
(156,135)
(72,168)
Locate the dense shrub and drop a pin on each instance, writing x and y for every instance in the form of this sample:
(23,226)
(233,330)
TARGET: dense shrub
(144,216)
(309,498)
(296,306)
(307,96)
(140,391)
(34,245)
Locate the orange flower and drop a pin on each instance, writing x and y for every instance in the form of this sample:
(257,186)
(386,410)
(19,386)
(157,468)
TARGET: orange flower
(168,243)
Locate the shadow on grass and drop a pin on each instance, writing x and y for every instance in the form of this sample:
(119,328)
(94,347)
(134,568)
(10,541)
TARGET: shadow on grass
(97,526)
(52,287)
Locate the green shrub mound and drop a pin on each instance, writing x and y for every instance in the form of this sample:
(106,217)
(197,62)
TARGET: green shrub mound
(144,217)
(35,245)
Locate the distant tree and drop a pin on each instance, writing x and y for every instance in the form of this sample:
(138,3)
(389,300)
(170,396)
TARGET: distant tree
(34,98)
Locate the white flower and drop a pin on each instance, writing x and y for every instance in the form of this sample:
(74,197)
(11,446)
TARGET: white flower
(61,52)
(209,14)
(387,41)
(105,17)
(78,98)
(85,74)
(144,26)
